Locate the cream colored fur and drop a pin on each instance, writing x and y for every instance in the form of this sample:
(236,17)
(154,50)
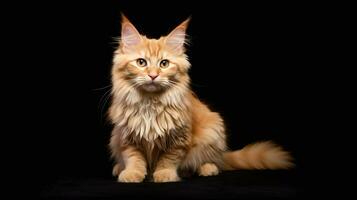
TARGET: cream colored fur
(160,127)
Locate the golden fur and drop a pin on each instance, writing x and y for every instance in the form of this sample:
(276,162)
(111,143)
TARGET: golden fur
(160,127)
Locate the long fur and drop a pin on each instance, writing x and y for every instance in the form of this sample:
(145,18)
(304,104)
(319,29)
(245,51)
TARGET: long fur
(162,129)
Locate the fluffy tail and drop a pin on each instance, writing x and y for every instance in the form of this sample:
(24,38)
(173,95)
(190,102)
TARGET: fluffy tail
(261,155)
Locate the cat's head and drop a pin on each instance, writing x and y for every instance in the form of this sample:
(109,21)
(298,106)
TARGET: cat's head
(151,65)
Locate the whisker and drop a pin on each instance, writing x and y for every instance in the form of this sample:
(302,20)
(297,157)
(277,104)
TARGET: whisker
(174,84)
(104,96)
(104,104)
(102,88)
(103,101)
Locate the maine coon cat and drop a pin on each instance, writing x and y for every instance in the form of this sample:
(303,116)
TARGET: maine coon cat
(160,127)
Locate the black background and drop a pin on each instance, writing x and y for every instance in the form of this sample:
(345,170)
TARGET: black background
(249,62)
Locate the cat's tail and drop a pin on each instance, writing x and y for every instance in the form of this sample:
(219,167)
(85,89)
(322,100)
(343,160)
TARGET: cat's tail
(260,155)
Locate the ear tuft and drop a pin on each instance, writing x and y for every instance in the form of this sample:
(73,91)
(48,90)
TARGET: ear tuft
(176,39)
(129,35)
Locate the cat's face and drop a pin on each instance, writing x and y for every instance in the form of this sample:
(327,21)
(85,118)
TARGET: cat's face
(151,65)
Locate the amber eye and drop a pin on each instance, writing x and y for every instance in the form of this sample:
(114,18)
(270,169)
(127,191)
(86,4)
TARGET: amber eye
(141,62)
(164,63)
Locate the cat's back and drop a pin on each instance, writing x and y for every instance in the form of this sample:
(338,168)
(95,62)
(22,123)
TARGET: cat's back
(200,111)
(206,124)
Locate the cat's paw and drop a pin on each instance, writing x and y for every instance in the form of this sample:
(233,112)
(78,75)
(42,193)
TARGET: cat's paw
(131,176)
(166,175)
(208,169)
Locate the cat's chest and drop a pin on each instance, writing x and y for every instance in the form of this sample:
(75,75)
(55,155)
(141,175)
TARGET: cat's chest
(150,120)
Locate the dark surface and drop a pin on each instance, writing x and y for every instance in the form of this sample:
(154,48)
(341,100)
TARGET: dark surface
(228,185)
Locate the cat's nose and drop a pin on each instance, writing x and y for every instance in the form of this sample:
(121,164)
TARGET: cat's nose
(153,76)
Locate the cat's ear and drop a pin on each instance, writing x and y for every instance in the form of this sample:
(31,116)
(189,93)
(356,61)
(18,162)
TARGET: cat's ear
(129,35)
(177,38)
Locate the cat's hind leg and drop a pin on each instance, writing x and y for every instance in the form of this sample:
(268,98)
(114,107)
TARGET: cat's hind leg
(208,144)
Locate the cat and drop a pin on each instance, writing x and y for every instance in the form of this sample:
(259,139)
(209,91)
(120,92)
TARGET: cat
(161,129)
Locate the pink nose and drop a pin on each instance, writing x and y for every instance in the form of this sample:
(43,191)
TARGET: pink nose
(153,76)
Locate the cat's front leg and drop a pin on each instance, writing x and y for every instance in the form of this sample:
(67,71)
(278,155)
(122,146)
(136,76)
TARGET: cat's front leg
(135,166)
(166,169)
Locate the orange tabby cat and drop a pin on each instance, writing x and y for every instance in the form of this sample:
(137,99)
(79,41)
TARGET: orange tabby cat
(161,127)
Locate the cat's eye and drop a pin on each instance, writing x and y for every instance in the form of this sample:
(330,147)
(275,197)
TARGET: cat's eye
(164,63)
(141,62)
